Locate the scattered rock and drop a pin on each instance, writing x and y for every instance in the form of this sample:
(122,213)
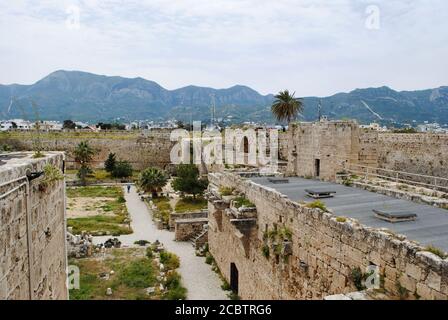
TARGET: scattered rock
(150,290)
(112,242)
(104,276)
(109,292)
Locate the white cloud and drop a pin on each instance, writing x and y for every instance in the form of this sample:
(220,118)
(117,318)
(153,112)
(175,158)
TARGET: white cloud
(314,47)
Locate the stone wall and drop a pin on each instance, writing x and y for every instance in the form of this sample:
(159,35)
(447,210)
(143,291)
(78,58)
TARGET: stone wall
(421,153)
(322,253)
(151,148)
(185,229)
(32,230)
(283,146)
(338,144)
(328,145)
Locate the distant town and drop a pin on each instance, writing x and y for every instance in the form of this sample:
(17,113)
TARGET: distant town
(49,125)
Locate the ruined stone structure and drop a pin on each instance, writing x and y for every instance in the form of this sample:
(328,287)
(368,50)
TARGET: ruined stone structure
(174,216)
(33,255)
(286,250)
(322,149)
(187,229)
(151,148)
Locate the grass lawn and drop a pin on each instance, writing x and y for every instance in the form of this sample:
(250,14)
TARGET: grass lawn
(113,218)
(133,270)
(189,204)
(94,191)
(102,175)
(100,225)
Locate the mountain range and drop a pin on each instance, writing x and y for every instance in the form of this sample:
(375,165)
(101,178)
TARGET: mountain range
(89,97)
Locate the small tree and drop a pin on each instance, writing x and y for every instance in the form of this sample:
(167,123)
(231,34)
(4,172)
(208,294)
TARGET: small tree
(83,155)
(69,124)
(152,180)
(188,180)
(109,164)
(122,169)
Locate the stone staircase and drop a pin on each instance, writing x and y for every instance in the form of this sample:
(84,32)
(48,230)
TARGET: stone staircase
(199,238)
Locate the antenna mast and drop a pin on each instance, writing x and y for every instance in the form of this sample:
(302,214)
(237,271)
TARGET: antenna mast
(213,110)
(319,110)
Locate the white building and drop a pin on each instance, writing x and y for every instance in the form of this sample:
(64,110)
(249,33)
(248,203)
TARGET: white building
(373,126)
(6,125)
(431,127)
(51,125)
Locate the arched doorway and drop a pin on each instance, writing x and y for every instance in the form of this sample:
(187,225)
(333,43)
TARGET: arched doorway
(234,278)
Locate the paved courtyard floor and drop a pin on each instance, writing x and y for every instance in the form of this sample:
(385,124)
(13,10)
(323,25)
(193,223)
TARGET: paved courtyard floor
(197,276)
(430,227)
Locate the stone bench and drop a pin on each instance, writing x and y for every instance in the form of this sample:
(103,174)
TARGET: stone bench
(395,216)
(278,180)
(319,194)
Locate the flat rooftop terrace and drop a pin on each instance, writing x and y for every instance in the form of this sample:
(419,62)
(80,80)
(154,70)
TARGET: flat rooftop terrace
(430,227)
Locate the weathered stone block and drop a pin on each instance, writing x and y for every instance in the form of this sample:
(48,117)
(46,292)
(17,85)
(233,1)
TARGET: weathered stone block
(433,280)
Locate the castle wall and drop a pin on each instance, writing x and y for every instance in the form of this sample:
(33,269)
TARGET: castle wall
(339,143)
(332,144)
(142,151)
(32,231)
(421,153)
(324,251)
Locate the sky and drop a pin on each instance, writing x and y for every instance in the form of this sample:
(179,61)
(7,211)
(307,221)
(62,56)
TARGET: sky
(312,47)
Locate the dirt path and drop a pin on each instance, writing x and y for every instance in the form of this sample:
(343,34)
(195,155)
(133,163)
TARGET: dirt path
(200,281)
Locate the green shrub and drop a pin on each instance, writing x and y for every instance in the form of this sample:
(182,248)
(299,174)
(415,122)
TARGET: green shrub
(149,253)
(317,204)
(111,161)
(265,251)
(141,242)
(225,285)
(51,175)
(243,202)
(233,296)
(341,219)
(209,258)
(285,233)
(169,260)
(122,169)
(174,285)
(226,191)
(121,199)
(358,278)
(436,251)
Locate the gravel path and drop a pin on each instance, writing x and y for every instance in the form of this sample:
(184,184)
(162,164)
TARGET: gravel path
(200,281)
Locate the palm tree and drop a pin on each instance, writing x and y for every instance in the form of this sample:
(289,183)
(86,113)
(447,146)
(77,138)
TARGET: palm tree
(152,180)
(286,106)
(83,155)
